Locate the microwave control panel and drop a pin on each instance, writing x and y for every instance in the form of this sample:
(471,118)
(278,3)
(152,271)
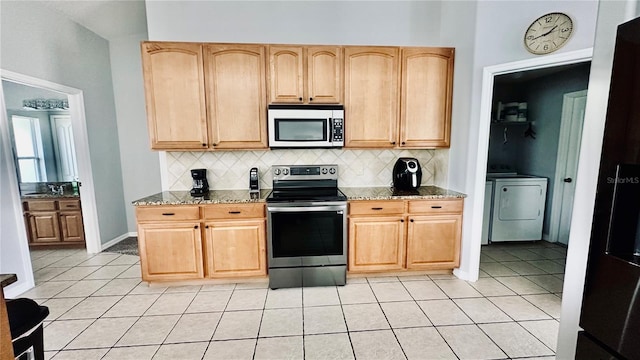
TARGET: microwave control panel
(337,134)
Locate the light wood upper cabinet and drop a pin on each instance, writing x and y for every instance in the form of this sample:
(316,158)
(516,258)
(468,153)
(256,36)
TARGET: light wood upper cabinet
(371,96)
(175,97)
(324,75)
(305,74)
(235,77)
(425,108)
(286,66)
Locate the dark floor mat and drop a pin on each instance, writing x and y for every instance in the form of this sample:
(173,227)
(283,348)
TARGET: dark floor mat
(127,246)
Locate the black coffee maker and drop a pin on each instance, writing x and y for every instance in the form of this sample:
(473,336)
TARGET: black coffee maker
(200,184)
(407,174)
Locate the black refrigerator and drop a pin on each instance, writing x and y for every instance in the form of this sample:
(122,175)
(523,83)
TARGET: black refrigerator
(610,313)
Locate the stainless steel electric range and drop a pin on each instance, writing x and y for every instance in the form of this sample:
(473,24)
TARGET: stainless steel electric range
(307,227)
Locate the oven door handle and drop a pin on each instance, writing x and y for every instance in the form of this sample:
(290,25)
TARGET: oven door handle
(339,209)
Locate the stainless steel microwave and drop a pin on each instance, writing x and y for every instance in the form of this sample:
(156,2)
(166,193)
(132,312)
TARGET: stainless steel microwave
(306,126)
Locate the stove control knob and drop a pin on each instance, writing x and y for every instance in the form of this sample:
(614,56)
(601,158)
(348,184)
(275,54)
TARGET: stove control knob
(332,171)
(276,171)
(285,171)
(324,171)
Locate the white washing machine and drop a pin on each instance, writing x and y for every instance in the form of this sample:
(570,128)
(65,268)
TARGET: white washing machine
(517,210)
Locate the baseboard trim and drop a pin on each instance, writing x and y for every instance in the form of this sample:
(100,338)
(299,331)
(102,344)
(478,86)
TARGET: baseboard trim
(17,290)
(110,243)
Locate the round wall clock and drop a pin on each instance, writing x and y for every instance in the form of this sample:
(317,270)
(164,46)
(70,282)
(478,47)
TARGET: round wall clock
(548,33)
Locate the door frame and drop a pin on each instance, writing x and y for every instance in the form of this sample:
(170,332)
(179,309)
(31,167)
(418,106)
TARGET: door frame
(566,125)
(85,172)
(478,168)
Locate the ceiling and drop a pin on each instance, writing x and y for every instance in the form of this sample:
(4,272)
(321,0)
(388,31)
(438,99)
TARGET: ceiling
(109,19)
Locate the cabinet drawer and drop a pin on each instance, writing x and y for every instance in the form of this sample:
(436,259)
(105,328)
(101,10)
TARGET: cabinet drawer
(435,206)
(40,205)
(69,204)
(383,207)
(233,211)
(167,213)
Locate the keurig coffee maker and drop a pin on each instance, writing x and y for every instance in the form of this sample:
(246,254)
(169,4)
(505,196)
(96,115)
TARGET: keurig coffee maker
(407,174)
(200,184)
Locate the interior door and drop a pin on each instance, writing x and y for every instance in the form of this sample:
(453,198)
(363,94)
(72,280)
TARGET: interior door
(572,141)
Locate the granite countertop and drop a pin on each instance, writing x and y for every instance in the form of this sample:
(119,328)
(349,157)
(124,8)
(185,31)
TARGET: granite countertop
(387,193)
(242,196)
(49,196)
(214,197)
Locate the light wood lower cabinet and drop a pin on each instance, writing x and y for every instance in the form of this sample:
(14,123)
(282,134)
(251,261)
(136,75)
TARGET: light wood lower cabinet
(433,242)
(185,242)
(170,251)
(376,243)
(53,222)
(235,248)
(398,235)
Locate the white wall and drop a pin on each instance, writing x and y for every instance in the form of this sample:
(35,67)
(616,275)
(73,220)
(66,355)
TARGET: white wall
(140,165)
(13,238)
(610,15)
(38,42)
(499,30)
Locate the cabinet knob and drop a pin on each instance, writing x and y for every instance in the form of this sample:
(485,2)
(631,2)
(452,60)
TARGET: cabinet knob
(403,143)
(411,220)
(300,99)
(214,144)
(401,220)
(203,144)
(310,99)
(393,143)
(206,227)
(195,227)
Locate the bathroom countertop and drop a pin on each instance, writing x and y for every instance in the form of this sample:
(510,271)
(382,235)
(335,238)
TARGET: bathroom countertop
(48,196)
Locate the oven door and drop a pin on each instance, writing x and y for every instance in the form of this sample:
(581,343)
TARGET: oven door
(307,234)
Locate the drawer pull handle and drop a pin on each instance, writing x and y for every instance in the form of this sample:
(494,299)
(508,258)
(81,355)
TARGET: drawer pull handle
(168,214)
(436,207)
(235,212)
(70,205)
(376,208)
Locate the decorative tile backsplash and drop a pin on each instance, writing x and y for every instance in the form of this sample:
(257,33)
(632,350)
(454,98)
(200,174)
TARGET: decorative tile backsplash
(229,170)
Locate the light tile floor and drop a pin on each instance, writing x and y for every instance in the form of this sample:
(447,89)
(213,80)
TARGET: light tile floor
(100,309)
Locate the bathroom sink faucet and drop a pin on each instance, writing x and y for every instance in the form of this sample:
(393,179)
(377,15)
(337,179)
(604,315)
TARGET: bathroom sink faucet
(56,189)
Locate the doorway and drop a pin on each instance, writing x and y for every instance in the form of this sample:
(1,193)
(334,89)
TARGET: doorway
(84,171)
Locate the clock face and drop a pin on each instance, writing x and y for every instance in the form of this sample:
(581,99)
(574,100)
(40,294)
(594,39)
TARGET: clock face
(548,33)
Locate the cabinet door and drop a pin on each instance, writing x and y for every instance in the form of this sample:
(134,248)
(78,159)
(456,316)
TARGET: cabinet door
(170,251)
(236,96)
(371,97)
(286,68)
(433,242)
(44,227)
(71,225)
(425,107)
(324,75)
(235,248)
(174,93)
(376,243)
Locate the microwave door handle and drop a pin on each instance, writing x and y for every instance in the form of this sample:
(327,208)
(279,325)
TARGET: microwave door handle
(330,130)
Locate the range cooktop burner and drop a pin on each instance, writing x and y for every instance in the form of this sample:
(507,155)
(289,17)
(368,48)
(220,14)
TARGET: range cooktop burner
(306,194)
